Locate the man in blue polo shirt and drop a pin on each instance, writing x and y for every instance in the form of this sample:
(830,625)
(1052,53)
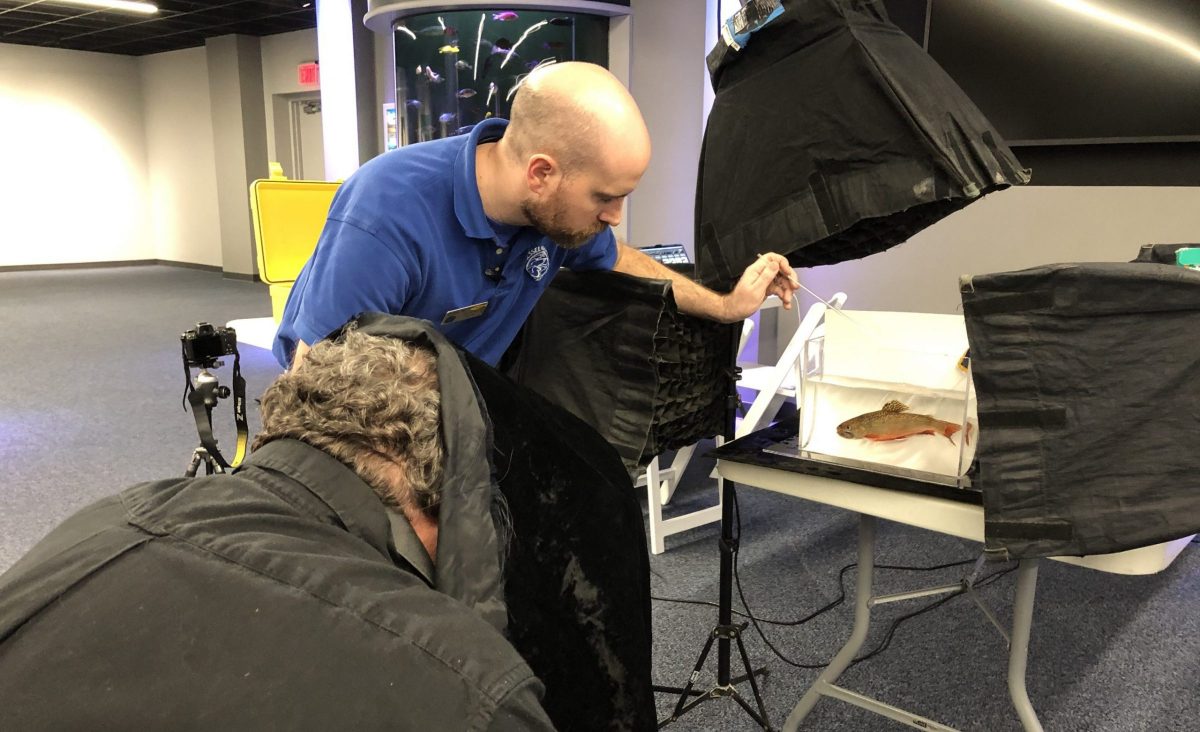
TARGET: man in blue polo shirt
(468,231)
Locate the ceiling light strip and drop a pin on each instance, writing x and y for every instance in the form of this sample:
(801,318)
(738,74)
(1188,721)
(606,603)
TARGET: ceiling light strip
(126,5)
(1131,25)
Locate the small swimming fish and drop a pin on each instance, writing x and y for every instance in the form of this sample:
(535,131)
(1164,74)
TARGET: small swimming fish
(448,49)
(414,103)
(466,93)
(430,31)
(462,66)
(505,16)
(433,76)
(447,118)
(895,422)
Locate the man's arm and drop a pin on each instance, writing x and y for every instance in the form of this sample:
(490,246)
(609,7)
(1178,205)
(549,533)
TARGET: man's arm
(770,274)
(298,356)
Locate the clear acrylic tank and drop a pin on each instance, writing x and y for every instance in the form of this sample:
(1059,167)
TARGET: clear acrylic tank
(860,362)
(455,69)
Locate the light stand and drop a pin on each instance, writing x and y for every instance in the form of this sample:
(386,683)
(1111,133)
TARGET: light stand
(725,632)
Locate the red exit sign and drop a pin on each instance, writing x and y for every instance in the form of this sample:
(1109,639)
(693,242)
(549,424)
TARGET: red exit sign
(309,73)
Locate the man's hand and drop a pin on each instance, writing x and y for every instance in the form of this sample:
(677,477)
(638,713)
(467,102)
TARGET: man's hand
(770,274)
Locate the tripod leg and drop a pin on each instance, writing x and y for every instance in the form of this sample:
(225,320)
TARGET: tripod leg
(761,717)
(193,466)
(679,706)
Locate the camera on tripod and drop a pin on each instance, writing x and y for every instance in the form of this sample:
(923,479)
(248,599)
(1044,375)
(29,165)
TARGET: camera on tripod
(205,343)
(202,346)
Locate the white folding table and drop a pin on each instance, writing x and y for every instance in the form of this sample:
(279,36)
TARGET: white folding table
(961,519)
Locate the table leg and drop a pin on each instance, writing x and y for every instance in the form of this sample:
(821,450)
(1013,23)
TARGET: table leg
(1018,653)
(858,635)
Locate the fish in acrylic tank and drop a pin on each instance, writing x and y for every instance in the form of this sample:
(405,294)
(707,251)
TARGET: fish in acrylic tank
(895,422)
(456,69)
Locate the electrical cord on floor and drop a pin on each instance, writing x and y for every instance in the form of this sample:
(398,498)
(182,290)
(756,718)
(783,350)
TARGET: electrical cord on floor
(880,647)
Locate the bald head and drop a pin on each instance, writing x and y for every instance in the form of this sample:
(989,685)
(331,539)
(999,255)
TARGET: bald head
(580,115)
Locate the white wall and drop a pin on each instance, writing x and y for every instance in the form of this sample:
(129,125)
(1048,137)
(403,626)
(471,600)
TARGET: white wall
(667,78)
(72,157)
(1013,229)
(183,216)
(281,54)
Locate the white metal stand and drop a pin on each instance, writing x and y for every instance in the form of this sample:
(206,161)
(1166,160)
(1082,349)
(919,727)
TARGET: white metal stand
(864,600)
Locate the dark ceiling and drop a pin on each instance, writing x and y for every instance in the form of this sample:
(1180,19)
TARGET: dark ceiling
(178,24)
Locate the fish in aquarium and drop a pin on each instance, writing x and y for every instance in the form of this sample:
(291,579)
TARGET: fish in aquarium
(436,30)
(463,66)
(466,93)
(447,118)
(504,16)
(895,422)
(414,103)
(433,76)
(502,48)
(448,49)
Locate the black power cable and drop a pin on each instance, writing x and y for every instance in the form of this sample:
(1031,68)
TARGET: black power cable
(880,647)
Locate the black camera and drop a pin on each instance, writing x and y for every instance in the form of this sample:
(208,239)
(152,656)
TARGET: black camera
(203,345)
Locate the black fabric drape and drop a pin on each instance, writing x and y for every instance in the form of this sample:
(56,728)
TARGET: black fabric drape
(1088,380)
(834,136)
(577,572)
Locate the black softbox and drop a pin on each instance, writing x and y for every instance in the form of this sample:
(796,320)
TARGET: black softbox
(615,351)
(834,136)
(1088,380)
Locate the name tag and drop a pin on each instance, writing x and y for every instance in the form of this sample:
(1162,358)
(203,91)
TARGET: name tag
(470,311)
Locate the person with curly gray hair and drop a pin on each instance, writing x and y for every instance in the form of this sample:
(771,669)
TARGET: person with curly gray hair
(372,403)
(346,575)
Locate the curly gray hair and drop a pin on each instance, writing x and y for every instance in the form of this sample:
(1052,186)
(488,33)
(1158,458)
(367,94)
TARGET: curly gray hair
(373,403)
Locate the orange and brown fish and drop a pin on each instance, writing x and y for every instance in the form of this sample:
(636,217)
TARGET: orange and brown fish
(895,422)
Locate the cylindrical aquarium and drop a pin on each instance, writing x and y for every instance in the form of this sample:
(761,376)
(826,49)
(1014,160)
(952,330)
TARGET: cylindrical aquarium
(455,69)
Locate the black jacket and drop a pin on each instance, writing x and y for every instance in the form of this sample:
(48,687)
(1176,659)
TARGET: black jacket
(286,596)
(276,598)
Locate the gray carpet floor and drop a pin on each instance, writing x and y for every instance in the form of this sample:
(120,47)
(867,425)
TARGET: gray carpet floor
(90,388)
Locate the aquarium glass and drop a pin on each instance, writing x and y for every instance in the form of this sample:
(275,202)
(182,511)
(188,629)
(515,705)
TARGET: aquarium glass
(455,69)
(862,361)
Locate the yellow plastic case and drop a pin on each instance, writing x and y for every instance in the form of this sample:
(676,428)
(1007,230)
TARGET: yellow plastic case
(288,218)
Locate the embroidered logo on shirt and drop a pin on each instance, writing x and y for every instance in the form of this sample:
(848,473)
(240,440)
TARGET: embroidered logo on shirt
(537,264)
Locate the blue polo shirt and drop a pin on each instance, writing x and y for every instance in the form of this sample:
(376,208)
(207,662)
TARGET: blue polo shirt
(406,234)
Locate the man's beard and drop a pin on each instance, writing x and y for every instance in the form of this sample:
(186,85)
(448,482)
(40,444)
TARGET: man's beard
(548,219)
